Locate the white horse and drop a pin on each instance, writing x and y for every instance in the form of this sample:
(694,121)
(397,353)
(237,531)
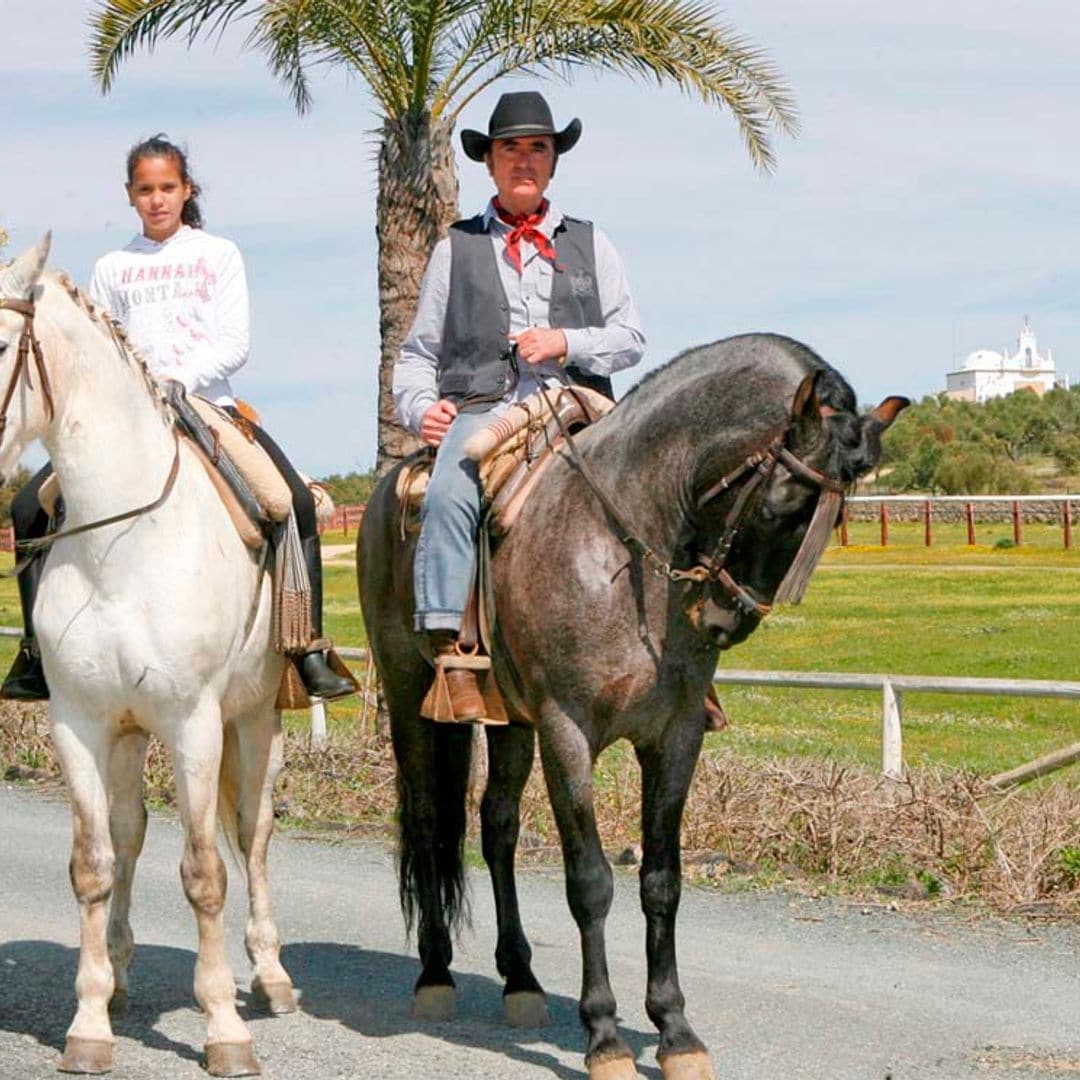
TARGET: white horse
(156,624)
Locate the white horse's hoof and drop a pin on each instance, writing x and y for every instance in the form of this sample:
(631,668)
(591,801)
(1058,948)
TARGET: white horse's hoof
(434,1004)
(86,1055)
(621,1068)
(231,1059)
(275,998)
(695,1066)
(526,1009)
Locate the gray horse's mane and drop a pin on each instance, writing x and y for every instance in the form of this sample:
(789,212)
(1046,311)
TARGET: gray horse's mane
(124,346)
(747,382)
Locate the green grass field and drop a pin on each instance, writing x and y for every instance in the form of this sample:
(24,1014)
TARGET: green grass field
(905,609)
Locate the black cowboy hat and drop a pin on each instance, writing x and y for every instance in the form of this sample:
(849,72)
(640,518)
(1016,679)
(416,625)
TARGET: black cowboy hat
(516,115)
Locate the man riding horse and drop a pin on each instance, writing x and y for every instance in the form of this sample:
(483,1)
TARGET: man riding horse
(521,282)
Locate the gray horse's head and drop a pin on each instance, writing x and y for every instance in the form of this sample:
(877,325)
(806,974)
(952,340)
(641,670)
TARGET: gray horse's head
(775,522)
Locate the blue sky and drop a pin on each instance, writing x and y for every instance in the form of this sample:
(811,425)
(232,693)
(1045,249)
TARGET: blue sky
(928,204)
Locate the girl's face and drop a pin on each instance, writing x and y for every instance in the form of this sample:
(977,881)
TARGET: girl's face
(158,193)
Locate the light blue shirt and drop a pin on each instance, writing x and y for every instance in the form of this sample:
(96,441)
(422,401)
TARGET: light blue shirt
(600,350)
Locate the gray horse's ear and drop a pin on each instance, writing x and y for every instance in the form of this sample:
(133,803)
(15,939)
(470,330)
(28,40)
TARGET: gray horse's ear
(889,410)
(19,280)
(806,412)
(805,396)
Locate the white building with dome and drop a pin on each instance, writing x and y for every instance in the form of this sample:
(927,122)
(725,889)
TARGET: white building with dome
(987,374)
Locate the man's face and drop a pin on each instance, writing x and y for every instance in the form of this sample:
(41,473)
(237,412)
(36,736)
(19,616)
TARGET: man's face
(521,169)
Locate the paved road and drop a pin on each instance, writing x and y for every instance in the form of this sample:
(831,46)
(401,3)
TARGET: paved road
(779,987)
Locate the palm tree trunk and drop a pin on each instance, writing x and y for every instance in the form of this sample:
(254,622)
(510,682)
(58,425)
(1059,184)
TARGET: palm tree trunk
(418,201)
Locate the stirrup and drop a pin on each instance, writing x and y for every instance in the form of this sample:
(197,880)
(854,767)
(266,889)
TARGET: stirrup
(439,703)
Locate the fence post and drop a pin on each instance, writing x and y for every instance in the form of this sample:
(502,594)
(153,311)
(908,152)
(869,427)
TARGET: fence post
(843,526)
(1067,522)
(892,747)
(318,723)
(928,531)
(1018,525)
(971,525)
(884,525)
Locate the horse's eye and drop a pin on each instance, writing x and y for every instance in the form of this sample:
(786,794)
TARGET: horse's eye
(3,347)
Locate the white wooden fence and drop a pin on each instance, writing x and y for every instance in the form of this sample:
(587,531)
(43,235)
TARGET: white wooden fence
(892,688)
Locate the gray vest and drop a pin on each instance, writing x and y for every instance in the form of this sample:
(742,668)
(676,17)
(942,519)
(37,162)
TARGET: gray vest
(475,351)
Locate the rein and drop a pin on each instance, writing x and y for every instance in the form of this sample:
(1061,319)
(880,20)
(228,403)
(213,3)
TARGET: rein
(761,465)
(28,341)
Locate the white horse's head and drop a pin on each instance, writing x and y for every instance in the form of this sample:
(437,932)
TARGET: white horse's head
(25,417)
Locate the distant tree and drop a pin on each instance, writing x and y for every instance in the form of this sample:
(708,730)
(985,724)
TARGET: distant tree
(8,492)
(959,447)
(3,238)
(352,489)
(977,471)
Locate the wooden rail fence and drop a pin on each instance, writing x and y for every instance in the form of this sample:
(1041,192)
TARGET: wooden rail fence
(1016,504)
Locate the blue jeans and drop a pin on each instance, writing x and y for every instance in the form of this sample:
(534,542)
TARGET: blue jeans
(446,552)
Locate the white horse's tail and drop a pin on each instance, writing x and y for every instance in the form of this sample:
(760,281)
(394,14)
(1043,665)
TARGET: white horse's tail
(229,795)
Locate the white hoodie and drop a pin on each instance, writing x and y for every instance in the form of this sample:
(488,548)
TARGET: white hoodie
(184,304)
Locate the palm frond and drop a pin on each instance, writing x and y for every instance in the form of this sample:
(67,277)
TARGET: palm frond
(665,41)
(118,28)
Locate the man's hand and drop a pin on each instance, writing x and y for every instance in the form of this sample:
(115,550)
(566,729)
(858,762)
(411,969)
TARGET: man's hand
(436,421)
(536,345)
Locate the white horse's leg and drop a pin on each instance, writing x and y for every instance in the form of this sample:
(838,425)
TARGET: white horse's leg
(127,826)
(197,759)
(257,741)
(83,746)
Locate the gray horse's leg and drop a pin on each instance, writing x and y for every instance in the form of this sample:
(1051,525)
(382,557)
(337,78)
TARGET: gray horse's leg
(666,771)
(568,762)
(510,757)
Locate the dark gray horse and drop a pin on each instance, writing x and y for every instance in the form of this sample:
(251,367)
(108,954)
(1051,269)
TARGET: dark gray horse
(716,465)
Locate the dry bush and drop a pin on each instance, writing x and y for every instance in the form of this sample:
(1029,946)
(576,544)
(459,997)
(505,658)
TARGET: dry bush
(939,834)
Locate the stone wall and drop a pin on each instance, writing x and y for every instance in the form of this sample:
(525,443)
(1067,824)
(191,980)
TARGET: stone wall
(1047,513)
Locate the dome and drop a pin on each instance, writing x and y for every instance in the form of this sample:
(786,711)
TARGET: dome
(983,359)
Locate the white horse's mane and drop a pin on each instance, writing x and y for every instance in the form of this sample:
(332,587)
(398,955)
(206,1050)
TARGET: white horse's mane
(106,321)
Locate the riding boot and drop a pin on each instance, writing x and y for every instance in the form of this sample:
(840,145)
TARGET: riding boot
(324,675)
(26,679)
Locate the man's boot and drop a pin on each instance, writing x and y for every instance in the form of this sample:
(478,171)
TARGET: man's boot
(26,679)
(455,695)
(324,676)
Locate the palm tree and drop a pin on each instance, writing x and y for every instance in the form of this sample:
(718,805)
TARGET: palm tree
(423,61)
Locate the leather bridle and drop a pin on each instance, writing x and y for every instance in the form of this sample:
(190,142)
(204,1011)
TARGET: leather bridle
(28,343)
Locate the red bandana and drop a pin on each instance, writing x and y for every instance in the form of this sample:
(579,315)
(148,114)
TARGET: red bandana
(524,227)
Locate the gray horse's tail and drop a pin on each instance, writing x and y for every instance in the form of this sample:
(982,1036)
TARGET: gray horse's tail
(431,824)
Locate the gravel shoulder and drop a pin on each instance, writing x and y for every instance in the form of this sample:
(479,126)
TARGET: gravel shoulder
(777,985)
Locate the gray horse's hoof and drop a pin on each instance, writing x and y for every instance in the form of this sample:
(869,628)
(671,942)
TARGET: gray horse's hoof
(118,1003)
(434,1004)
(526,1009)
(86,1055)
(231,1059)
(695,1066)
(620,1068)
(275,997)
